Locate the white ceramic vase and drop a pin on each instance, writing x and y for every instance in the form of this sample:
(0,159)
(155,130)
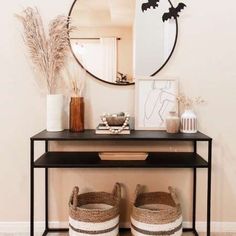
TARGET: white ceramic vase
(188,122)
(55,112)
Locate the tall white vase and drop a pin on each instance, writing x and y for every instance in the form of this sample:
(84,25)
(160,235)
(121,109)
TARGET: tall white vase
(54,112)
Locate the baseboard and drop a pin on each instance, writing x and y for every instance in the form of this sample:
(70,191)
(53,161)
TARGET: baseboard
(23,227)
(216,227)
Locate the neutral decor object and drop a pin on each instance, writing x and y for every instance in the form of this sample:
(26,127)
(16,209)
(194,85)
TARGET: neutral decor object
(156,213)
(189,118)
(55,112)
(119,120)
(77,114)
(112,130)
(154,99)
(119,156)
(94,213)
(76,82)
(48,53)
(188,122)
(172,123)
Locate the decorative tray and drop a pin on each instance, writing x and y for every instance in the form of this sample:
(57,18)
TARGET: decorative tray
(140,156)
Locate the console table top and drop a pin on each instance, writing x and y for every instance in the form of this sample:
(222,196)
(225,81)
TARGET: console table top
(142,135)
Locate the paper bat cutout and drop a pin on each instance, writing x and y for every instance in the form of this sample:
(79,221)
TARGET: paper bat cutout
(149,4)
(173,12)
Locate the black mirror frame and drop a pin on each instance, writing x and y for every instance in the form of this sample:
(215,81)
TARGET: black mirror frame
(107,82)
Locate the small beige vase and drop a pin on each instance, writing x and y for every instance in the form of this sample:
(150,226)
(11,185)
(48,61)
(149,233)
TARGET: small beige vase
(172,123)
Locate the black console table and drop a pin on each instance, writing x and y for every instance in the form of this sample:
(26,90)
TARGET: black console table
(91,160)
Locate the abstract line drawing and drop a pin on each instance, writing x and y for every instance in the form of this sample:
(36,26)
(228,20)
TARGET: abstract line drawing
(155,99)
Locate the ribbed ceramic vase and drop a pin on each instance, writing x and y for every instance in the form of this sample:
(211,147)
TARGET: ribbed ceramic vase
(54,112)
(188,122)
(77,114)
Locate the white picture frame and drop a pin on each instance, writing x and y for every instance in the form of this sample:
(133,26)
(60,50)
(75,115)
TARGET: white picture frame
(154,99)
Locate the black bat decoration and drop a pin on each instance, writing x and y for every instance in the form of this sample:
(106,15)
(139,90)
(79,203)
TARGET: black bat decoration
(173,12)
(149,4)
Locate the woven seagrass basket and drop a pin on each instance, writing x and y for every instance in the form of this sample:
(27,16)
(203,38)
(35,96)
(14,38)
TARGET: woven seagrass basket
(94,213)
(156,213)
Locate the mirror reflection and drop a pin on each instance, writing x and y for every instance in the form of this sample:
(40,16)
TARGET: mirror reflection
(114,42)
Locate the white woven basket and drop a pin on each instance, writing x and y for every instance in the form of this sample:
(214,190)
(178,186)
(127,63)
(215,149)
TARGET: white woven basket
(94,213)
(156,213)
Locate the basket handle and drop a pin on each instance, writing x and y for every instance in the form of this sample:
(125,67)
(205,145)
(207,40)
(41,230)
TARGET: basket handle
(174,195)
(138,190)
(117,191)
(74,197)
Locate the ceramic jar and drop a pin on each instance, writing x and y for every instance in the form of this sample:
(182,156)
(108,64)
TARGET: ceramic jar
(172,123)
(55,112)
(188,122)
(77,114)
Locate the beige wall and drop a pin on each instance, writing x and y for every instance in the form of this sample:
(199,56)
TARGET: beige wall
(204,61)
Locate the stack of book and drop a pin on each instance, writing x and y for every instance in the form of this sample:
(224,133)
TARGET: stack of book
(103,129)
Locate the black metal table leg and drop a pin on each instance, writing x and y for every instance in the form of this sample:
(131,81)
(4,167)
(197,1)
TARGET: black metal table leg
(209,188)
(194,197)
(46,192)
(46,199)
(31,188)
(45,233)
(194,190)
(195,232)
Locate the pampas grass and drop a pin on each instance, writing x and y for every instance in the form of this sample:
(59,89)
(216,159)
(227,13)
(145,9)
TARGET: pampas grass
(47,52)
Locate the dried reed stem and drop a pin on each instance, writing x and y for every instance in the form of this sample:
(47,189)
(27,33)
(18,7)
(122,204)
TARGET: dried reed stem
(76,77)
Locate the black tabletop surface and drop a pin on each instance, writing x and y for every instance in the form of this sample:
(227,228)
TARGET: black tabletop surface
(142,135)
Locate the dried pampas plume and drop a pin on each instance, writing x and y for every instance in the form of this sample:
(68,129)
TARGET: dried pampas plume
(48,53)
(188,102)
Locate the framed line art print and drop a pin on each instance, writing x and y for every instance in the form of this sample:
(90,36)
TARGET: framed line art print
(154,99)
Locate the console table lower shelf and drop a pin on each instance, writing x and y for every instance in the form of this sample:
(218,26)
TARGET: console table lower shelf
(92,160)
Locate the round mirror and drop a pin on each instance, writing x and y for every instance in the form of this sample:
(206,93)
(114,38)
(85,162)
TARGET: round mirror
(117,40)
